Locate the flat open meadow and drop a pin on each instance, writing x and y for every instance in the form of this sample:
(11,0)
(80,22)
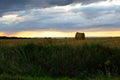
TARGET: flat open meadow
(60,59)
(110,41)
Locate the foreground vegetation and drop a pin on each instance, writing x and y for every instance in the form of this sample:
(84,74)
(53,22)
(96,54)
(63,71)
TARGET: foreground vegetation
(8,77)
(59,61)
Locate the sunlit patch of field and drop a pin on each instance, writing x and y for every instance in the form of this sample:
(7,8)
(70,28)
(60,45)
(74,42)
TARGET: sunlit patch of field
(111,42)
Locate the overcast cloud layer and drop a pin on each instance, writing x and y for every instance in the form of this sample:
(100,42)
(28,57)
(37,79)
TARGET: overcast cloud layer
(15,5)
(62,15)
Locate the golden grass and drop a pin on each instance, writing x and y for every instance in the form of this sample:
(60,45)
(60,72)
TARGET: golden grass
(111,42)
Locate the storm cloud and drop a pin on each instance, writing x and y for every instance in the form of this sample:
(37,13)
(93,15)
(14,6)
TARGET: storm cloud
(16,5)
(59,15)
(12,5)
(65,18)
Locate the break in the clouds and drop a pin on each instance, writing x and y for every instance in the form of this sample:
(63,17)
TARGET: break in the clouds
(60,15)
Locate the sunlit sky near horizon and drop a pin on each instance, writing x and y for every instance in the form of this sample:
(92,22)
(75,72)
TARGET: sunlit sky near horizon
(59,18)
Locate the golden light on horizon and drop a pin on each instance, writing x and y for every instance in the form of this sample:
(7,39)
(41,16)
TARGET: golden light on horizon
(2,34)
(64,34)
(43,34)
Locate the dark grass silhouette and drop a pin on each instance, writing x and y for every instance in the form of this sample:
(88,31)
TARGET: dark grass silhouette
(59,60)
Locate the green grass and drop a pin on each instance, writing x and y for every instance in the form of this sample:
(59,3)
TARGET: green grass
(105,78)
(58,61)
(17,77)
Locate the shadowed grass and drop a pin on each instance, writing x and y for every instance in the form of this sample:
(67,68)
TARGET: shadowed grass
(17,77)
(57,61)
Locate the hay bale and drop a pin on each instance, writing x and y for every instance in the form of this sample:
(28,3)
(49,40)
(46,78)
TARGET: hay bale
(79,36)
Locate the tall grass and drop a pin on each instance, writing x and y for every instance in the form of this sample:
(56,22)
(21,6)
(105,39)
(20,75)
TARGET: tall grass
(17,77)
(111,42)
(59,60)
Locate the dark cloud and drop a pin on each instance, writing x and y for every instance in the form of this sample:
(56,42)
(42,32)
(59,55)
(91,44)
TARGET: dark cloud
(84,18)
(89,1)
(48,3)
(66,2)
(16,5)
(60,2)
(12,5)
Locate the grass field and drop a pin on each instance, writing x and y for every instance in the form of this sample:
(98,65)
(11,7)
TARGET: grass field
(111,42)
(8,77)
(61,59)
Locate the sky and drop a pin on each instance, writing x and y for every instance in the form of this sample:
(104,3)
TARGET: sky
(59,18)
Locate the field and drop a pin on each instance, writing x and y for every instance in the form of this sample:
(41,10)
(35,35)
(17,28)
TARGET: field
(61,59)
(111,42)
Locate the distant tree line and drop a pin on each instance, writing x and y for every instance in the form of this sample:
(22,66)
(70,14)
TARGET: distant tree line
(5,37)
